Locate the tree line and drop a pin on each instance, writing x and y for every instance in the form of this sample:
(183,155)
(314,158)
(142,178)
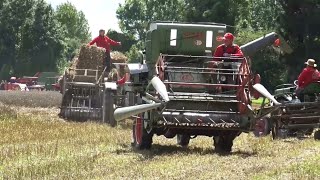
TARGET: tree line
(35,37)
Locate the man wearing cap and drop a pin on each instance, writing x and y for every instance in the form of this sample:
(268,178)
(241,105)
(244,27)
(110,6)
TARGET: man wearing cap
(308,75)
(228,49)
(104,41)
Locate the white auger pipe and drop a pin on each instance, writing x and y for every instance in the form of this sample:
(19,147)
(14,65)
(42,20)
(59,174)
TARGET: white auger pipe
(160,87)
(126,112)
(261,89)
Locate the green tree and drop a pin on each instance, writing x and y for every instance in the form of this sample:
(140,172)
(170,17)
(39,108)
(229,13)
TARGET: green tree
(135,15)
(300,24)
(74,26)
(126,40)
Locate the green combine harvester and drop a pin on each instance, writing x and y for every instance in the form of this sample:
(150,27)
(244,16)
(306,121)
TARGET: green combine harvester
(173,92)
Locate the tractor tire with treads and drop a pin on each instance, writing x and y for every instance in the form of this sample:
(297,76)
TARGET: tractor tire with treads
(317,135)
(108,108)
(142,139)
(183,140)
(223,143)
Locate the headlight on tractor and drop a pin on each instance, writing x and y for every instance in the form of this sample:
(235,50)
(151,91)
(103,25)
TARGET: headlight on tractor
(223,78)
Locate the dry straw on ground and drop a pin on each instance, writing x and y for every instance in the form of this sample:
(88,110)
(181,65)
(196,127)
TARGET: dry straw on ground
(36,144)
(42,99)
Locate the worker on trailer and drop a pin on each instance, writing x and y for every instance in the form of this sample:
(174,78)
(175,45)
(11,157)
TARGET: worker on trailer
(104,41)
(228,48)
(309,75)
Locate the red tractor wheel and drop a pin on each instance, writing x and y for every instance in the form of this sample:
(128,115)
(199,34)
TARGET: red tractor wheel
(141,138)
(262,127)
(243,101)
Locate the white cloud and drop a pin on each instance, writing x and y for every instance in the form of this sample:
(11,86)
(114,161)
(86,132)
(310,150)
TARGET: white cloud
(101,14)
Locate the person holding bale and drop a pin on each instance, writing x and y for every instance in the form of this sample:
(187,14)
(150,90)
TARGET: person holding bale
(104,41)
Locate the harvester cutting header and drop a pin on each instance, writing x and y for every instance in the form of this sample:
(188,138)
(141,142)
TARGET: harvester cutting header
(179,88)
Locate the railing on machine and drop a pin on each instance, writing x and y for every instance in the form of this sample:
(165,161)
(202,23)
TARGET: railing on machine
(177,64)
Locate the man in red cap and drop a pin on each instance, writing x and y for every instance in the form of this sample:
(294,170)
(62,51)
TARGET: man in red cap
(104,41)
(228,49)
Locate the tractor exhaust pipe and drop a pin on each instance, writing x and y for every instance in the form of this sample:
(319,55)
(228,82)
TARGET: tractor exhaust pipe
(126,112)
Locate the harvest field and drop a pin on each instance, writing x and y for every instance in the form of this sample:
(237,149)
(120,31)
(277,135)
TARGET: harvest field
(36,144)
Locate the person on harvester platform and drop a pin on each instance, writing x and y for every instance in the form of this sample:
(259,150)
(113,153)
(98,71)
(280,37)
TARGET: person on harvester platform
(104,41)
(308,75)
(228,49)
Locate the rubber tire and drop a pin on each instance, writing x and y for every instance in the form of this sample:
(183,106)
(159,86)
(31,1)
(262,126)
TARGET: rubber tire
(183,140)
(146,138)
(108,109)
(266,130)
(317,135)
(223,143)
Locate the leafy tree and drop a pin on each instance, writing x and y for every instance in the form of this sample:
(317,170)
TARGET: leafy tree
(35,38)
(219,11)
(74,26)
(126,40)
(300,24)
(135,15)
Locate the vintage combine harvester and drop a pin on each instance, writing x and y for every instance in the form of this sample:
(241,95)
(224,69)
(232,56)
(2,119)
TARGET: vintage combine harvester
(292,115)
(180,90)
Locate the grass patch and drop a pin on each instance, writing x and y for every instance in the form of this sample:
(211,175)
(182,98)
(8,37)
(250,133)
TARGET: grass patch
(259,101)
(36,144)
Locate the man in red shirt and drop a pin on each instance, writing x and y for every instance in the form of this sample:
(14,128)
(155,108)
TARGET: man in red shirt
(228,49)
(309,74)
(104,41)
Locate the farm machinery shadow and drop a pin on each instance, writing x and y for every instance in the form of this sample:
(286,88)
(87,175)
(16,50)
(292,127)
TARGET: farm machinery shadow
(161,150)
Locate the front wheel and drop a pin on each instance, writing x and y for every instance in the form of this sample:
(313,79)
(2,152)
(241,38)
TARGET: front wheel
(262,127)
(183,140)
(142,139)
(108,108)
(223,143)
(317,135)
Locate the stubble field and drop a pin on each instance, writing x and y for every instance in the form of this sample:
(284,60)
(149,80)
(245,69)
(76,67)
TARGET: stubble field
(36,144)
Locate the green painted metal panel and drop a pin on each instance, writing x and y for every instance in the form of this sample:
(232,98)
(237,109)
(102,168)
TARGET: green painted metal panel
(191,39)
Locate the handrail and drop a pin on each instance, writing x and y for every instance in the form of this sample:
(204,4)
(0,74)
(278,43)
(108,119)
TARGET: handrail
(206,57)
(193,68)
(104,70)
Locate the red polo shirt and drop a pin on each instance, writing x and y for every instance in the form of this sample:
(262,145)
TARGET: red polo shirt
(307,76)
(234,50)
(104,42)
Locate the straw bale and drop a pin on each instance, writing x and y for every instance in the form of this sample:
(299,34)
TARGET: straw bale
(118,57)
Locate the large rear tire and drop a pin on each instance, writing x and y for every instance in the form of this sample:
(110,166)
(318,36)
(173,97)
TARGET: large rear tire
(262,127)
(223,143)
(317,135)
(142,139)
(183,140)
(108,108)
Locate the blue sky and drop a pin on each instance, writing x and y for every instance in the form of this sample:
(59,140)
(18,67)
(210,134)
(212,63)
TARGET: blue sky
(99,13)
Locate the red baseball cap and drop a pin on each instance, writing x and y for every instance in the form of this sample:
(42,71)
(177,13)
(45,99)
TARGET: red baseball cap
(228,36)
